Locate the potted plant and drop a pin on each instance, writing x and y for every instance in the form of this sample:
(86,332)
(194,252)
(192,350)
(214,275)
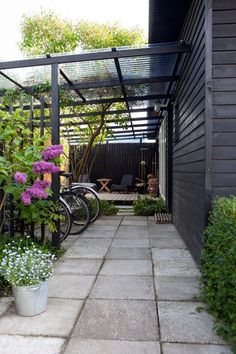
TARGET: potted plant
(27,268)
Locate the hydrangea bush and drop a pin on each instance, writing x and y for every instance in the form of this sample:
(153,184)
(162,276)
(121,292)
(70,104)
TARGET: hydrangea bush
(23,162)
(27,265)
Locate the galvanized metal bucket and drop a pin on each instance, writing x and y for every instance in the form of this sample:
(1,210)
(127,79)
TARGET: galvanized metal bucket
(31,300)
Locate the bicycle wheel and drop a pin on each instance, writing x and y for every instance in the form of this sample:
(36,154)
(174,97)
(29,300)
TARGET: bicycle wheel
(65,224)
(93,200)
(80,212)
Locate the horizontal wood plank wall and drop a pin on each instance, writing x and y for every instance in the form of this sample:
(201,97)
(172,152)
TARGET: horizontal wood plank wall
(224,97)
(189,150)
(114,160)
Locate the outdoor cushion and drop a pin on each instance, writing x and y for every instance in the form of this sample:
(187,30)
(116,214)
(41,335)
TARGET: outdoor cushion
(125,183)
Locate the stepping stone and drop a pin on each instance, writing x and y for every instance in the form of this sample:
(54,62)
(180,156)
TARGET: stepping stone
(129,253)
(70,286)
(177,288)
(181,322)
(118,319)
(126,267)
(30,345)
(50,323)
(77,266)
(123,287)
(195,349)
(130,243)
(81,346)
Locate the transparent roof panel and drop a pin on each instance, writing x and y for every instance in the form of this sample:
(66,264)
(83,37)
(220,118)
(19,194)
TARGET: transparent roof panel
(147,66)
(99,70)
(30,76)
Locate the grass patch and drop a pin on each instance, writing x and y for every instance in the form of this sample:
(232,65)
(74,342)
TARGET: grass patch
(219,267)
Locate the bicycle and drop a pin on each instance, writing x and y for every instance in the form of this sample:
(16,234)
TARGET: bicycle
(90,195)
(11,222)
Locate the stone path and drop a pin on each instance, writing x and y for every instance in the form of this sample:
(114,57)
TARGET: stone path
(126,286)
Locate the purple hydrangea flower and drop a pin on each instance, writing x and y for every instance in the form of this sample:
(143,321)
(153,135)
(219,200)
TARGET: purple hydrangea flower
(45,167)
(25,197)
(51,152)
(41,184)
(20,177)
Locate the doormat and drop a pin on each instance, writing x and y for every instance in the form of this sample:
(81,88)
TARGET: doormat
(163,218)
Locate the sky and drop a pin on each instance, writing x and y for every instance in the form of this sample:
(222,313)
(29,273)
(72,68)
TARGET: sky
(128,13)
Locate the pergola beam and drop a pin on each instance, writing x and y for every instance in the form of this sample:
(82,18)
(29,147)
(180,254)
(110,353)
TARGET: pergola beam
(169,48)
(126,82)
(71,85)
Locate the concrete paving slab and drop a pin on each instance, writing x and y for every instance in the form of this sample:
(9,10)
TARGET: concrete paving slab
(77,266)
(163,234)
(126,267)
(132,234)
(57,321)
(30,345)
(68,286)
(180,322)
(80,346)
(135,217)
(103,221)
(131,243)
(94,233)
(117,319)
(127,228)
(88,248)
(176,254)
(177,288)
(129,253)
(96,243)
(101,227)
(176,267)
(151,220)
(111,217)
(86,252)
(169,348)
(133,222)
(123,287)
(162,227)
(167,243)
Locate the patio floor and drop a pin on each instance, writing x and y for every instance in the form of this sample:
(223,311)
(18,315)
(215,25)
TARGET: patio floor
(125,286)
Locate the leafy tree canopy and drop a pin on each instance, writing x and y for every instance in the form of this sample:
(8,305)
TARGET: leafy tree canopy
(95,35)
(47,33)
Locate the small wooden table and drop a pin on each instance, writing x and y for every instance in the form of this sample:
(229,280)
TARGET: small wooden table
(104,182)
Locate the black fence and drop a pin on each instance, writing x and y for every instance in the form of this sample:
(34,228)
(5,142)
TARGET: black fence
(116,159)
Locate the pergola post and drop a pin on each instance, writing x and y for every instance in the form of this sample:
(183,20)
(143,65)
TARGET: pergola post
(55,131)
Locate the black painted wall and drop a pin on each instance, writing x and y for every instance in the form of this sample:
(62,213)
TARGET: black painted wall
(224,97)
(114,160)
(189,149)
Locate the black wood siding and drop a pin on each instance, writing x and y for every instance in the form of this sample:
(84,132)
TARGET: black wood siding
(189,150)
(224,97)
(114,160)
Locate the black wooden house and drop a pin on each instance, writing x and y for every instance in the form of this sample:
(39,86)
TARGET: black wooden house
(201,137)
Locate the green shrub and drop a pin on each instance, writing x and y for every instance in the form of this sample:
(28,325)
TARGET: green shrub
(148,206)
(219,267)
(108,208)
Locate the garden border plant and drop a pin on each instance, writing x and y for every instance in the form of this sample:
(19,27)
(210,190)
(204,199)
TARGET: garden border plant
(149,206)
(219,265)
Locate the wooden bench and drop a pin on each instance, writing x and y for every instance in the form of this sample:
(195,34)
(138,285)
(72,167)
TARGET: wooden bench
(163,218)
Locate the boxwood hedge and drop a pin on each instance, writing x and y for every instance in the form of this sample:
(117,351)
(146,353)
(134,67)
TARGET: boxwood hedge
(219,267)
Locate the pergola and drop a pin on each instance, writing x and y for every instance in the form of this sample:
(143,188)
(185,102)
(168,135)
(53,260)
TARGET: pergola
(138,77)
